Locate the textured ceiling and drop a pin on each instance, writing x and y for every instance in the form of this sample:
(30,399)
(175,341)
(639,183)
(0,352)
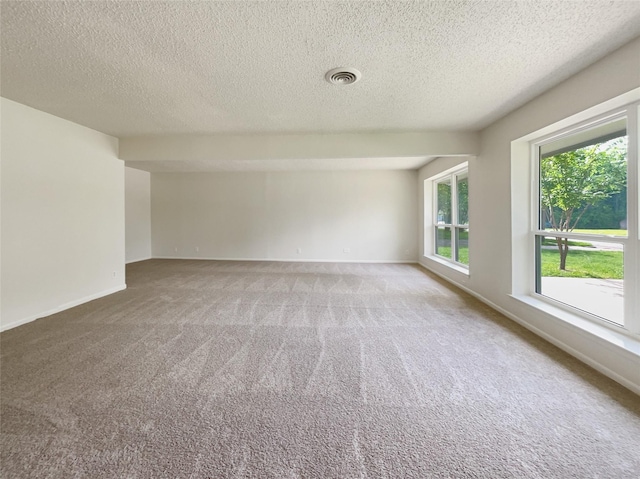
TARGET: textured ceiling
(154,68)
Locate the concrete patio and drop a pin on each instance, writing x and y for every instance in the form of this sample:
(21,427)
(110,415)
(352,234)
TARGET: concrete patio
(602,297)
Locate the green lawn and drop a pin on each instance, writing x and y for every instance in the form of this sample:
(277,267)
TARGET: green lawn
(552,242)
(584,264)
(601,232)
(463,254)
(580,264)
(444,236)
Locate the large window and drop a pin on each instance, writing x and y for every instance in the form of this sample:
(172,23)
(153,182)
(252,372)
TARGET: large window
(585,234)
(451,228)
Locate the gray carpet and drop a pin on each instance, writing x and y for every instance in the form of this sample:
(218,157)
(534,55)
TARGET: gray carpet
(298,370)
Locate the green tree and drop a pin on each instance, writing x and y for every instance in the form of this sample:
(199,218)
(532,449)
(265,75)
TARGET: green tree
(573,181)
(608,214)
(463,200)
(444,202)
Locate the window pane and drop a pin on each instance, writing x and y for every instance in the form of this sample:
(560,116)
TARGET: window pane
(443,242)
(462,255)
(444,202)
(589,278)
(583,182)
(463,199)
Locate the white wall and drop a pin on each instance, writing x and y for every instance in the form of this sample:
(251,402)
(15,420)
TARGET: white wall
(62,214)
(137,213)
(245,150)
(264,215)
(490,241)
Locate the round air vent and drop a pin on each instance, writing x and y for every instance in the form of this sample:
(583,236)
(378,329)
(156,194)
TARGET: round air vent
(343,76)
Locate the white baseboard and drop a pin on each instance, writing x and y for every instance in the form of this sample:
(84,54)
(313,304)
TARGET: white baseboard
(137,260)
(291,260)
(548,337)
(62,307)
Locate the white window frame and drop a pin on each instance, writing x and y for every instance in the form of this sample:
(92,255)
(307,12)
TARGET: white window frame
(631,243)
(451,175)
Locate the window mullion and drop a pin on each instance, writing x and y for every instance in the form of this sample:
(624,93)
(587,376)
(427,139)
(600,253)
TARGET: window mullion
(584,236)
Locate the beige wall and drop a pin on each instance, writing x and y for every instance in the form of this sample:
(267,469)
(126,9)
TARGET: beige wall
(263,215)
(62,214)
(137,199)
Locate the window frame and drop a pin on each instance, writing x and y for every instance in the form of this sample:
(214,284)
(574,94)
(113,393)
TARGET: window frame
(450,175)
(631,242)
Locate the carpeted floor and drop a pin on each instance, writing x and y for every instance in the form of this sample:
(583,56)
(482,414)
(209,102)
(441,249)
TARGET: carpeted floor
(302,370)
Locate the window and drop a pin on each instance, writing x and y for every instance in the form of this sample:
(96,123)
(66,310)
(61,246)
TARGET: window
(451,228)
(585,231)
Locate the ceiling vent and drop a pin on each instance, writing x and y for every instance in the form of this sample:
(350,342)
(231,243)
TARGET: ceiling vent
(343,76)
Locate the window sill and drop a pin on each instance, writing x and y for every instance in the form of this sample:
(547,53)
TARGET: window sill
(621,338)
(448,264)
